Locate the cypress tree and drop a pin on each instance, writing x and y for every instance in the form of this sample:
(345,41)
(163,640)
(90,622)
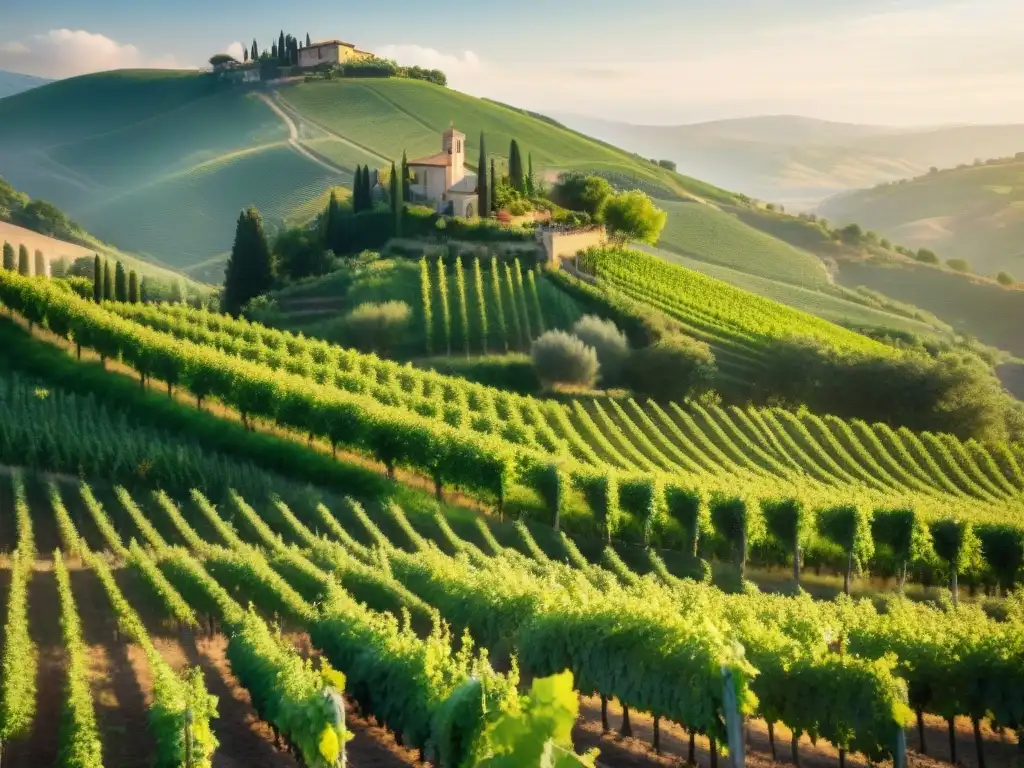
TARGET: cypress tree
(531,183)
(273,52)
(8,257)
(40,264)
(120,283)
(144,290)
(308,44)
(133,288)
(405,176)
(397,205)
(250,269)
(97,279)
(367,189)
(254,54)
(357,189)
(483,190)
(24,266)
(280,49)
(515,168)
(494,197)
(329,223)
(108,282)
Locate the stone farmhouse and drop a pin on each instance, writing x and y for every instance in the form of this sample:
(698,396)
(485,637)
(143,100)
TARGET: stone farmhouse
(442,180)
(328,53)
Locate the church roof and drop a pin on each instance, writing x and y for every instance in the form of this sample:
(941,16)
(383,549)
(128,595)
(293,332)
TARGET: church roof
(441,160)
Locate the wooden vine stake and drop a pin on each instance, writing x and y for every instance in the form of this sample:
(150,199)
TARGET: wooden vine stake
(734,722)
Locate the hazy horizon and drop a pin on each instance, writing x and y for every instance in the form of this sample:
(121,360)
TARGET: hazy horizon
(896,63)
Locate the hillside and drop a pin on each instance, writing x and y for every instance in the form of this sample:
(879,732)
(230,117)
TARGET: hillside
(132,154)
(800,161)
(973,212)
(13,82)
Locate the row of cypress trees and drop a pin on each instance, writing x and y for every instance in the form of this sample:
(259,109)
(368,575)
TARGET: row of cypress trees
(24,264)
(117,284)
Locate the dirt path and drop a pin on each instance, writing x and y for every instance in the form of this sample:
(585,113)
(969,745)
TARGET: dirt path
(40,747)
(285,108)
(293,136)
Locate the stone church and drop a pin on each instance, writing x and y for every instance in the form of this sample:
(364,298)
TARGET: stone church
(442,181)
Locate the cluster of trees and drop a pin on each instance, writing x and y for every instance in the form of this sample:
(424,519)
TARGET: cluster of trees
(38,215)
(363,184)
(284,51)
(511,191)
(950,391)
(628,216)
(378,67)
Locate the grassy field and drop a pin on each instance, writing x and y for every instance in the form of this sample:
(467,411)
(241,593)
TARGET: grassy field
(975,213)
(387,116)
(708,234)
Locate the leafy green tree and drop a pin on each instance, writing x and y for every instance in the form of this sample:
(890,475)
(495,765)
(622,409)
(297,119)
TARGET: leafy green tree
(299,253)
(790,524)
(581,192)
(849,528)
(133,287)
(608,342)
(397,205)
(483,187)
(633,216)
(673,369)
(250,269)
(40,265)
(957,545)
(516,177)
(97,280)
(926,256)
(120,283)
(24,265)
(1005,278)
(8,257)
(959,265)
(108,282)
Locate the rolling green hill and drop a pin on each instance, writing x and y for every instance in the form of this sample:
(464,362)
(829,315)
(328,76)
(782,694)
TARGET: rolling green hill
(134,154)
(13,82)
(973,212)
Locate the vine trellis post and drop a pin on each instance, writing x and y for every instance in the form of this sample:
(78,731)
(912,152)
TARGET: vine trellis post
(734,721)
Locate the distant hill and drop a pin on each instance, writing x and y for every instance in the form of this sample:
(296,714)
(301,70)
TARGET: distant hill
(13,82)
(801,161)
(973,212)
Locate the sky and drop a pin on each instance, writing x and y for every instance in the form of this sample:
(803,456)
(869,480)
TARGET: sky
(886,62)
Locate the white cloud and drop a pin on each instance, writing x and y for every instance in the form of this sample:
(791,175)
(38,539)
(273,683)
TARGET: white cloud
(67,52)
(236,50)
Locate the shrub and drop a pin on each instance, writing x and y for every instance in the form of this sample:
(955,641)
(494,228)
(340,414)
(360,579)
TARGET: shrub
(377,327)
(608,342)
(579,192)
(1005,278)
(633,216)
(926,256)
(674,368)
(560,358)
(958,265)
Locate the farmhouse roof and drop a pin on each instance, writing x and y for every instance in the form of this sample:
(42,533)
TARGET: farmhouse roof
(322,43)
(441,160)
